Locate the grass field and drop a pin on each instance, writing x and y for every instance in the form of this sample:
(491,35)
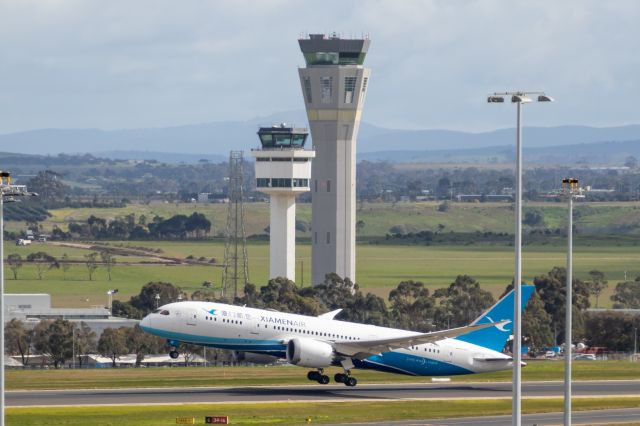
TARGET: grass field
(288,413)
(287,375)
(379,268)
(379,217)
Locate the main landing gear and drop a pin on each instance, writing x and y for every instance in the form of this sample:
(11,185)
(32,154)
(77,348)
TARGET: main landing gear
(323,379)
(346,379)
(318,376)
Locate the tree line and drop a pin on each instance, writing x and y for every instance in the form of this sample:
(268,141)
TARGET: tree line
(43,262)
(158,228)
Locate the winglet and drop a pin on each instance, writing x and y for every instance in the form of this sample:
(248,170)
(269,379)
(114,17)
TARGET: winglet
(330,315)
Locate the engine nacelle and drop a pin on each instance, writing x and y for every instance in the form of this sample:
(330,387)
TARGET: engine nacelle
(309,353)
(253,358)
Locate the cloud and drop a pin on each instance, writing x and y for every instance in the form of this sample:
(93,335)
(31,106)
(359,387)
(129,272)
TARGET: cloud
(71,63)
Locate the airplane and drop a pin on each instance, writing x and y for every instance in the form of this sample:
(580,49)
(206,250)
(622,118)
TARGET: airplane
(322,341)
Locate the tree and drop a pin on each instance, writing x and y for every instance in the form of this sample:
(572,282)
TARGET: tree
(18,339)
(85,341)
(15,263)
(533,218)
(631,162)
(91,262)
(48,184)
(42,262)
(108,260)
(65,264)
(612,330)
(596,283)
(146,301)
(113,344)
(140,343)
(54,339)
(552,291)
(412,307)
(627,295)
(126,310)
(462,302)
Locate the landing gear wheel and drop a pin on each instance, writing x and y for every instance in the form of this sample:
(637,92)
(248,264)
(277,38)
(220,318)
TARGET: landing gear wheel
(323,379)
(339,377)
(351,381)
(314,376)
(174,354)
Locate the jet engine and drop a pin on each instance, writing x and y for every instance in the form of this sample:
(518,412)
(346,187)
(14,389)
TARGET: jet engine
(309,353)
(253,358)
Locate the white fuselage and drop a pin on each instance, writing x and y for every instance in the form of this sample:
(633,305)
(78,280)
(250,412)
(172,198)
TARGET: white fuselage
(267,332)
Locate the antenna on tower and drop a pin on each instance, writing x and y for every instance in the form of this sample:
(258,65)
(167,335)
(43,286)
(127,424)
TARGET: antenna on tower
(236,264)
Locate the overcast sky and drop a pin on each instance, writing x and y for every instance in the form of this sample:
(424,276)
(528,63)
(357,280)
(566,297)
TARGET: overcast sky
(151,63)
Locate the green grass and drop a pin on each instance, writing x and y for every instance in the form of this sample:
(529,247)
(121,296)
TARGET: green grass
(289,413)
(287,375)
(379,268)
(379,217)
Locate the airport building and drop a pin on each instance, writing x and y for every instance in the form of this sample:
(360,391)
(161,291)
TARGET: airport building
(334,84)
(283,171)
(33,308)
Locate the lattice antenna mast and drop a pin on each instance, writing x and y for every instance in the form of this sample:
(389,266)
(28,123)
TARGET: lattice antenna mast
(236,263)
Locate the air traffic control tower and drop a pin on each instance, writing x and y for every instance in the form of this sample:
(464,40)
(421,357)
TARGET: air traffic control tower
(334,85)
(283,169)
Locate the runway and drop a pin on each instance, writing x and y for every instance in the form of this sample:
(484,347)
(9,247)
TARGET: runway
(619,416)
(363,392)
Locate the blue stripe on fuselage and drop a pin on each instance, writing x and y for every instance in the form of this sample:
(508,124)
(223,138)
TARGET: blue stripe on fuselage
(391,362)
(220,342)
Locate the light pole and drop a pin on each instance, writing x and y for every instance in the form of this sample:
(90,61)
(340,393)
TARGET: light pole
(11,192)
(571,188)
(110,294)
(518,98)
(157,297)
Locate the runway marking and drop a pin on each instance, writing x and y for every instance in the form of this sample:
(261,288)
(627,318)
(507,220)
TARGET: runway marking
(312,385)
(328,400)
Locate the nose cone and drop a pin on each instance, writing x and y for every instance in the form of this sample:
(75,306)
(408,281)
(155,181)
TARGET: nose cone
(145,324)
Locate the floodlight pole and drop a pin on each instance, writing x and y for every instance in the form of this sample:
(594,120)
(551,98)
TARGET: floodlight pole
(517,295)
(568,309)
(518,98)
(1,304)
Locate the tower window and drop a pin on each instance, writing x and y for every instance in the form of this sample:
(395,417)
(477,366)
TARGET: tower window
(316,185)
(364,84)
(326,84)
(315,238)
(307,88)
(328,186)
(328,237)
(349,88)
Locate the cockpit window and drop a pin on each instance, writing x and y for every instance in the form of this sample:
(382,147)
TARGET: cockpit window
(164,312)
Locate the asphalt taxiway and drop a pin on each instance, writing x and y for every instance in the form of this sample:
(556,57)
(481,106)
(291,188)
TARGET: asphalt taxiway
(362,392)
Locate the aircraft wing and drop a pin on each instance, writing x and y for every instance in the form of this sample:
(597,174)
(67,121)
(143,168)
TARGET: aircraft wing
(364,348)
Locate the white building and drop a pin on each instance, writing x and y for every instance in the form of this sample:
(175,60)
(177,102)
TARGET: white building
(283,170)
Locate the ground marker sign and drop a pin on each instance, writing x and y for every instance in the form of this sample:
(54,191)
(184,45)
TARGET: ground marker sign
(185,420)
(217,420)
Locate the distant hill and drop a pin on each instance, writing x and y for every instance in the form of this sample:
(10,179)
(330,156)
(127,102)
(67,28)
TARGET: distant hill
(214,140)
(585,153)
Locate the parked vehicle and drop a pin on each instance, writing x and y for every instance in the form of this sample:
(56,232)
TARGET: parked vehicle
(23,242)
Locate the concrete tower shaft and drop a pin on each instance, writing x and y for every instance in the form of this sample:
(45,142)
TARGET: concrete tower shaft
(334,85)
(283,169)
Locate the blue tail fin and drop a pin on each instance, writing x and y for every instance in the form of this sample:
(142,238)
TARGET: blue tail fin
(496,337)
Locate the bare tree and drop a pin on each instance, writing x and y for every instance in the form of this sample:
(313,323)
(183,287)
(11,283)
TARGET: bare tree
(43,262)
(91,262)
(65,264)
(15,263)
(108,260)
